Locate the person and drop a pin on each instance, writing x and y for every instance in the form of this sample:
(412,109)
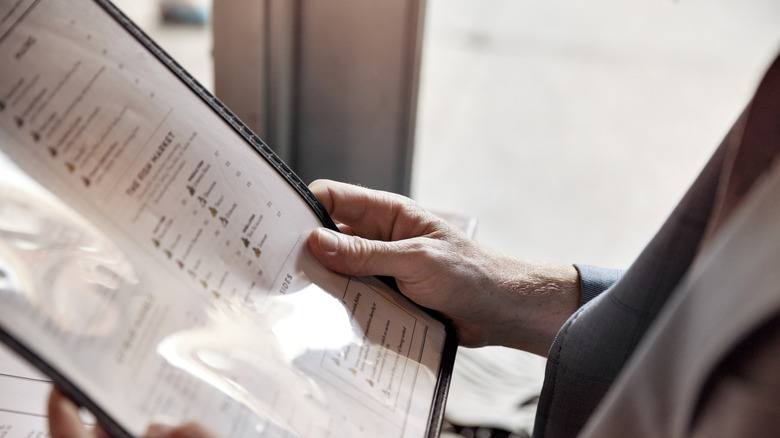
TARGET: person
(686,342)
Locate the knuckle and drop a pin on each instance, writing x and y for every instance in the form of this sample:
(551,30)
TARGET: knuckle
(361,255)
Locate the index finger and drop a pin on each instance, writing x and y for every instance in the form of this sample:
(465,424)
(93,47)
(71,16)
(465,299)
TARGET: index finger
(369,213)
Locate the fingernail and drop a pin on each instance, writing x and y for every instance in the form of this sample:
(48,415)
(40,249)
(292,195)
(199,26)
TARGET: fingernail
(328,240)
(158,430)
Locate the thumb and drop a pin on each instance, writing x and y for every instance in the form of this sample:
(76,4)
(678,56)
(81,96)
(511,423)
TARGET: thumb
(352,255)
(63,418)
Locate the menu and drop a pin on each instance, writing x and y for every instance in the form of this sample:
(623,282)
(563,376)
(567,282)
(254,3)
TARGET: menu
(153,257)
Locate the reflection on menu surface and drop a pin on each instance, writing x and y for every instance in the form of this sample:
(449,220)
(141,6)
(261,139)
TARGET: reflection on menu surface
(162,244)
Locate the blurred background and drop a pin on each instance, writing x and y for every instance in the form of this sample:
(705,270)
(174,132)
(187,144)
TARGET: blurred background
(568,130)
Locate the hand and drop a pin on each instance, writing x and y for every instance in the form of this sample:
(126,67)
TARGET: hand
(65,422)
(489,297)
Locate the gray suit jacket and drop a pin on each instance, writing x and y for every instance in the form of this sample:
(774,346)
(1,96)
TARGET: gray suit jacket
(636,331)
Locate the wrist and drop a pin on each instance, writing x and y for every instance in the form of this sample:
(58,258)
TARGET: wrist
(539,298)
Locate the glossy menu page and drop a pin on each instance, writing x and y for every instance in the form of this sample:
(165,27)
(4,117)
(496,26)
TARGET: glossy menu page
(154,262)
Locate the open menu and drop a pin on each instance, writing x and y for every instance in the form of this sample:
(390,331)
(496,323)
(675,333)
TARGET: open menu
(153,258)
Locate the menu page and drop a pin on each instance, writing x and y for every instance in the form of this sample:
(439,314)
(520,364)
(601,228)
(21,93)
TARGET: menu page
(156,263)
(22,398)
